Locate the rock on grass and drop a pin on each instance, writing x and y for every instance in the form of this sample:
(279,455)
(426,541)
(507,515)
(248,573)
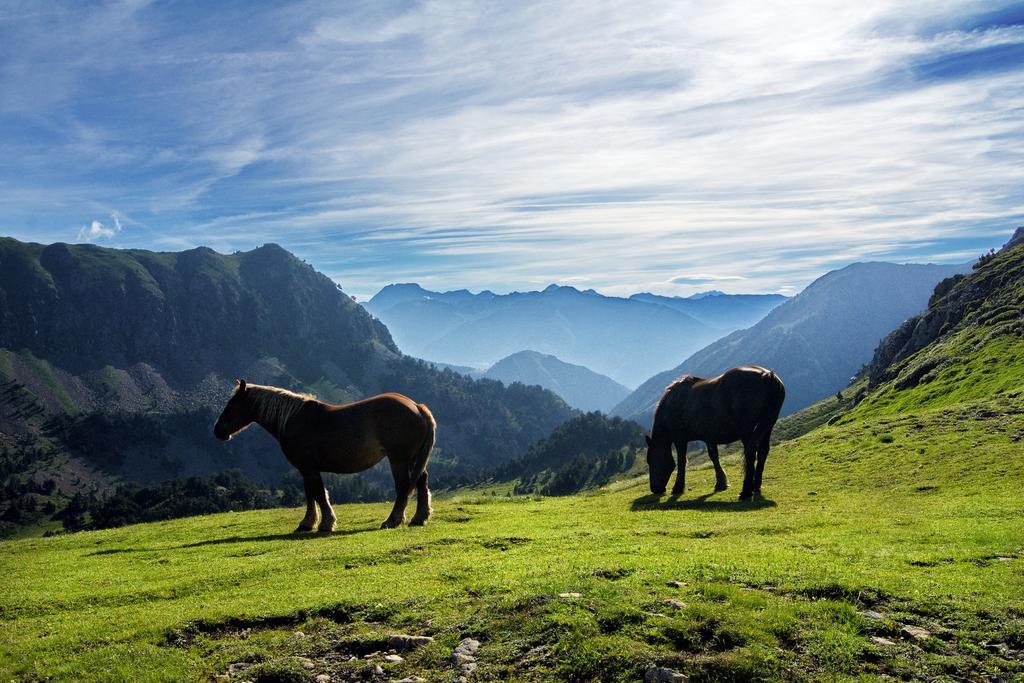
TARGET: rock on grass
(660,674)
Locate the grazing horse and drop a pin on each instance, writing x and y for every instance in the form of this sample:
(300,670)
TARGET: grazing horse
(318,437)
(741,404)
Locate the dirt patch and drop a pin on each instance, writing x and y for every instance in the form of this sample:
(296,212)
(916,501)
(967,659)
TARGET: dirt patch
(504,543)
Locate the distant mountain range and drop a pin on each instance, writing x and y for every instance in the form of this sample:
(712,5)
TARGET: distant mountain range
(817,339)
(116,363)
(719,310)
(625,339)
(581,388)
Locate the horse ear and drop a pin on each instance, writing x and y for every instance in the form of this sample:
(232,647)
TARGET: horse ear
(241,385)
(648,440)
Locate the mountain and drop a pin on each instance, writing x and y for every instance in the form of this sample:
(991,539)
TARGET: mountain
(968,343)
(717,309)
(116,363)
(818,339)
(625,339)
(581,388)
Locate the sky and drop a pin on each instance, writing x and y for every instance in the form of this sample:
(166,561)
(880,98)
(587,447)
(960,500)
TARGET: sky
(670,147)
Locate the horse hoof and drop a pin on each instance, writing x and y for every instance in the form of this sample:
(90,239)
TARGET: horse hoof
(302,529)
(418,521)
(746,496)
(721,487)
(389,524)
(325,529)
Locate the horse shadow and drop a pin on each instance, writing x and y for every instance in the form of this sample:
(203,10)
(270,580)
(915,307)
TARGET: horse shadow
(306,536)
(241,539)
(702,503)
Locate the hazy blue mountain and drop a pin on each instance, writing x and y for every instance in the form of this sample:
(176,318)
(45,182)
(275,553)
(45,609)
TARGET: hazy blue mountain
(725,311)
(116,362)
(581,388)
(625,339)
(818,339)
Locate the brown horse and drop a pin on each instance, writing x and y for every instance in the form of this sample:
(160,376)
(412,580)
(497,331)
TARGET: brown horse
(318,437)
(741,404)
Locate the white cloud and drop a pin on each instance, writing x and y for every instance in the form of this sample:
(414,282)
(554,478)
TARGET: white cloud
(702,278)
(96,230)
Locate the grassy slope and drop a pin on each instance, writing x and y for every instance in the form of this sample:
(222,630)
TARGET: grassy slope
(910,518)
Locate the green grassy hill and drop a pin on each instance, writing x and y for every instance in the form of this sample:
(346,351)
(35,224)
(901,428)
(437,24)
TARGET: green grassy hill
(915,517)
(890,544)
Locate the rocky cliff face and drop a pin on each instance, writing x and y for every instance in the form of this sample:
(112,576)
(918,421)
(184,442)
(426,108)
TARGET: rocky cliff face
(975,295)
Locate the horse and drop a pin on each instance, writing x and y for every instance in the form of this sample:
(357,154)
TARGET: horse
(319,437)
(741,404)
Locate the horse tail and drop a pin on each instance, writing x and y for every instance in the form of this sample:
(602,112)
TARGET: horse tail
(419,465)
(762,431)
(780,392)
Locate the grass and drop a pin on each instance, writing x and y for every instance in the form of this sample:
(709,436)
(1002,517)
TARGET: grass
(917,517)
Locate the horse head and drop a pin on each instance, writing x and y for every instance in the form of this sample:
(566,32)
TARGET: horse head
(659,463)
(236,415)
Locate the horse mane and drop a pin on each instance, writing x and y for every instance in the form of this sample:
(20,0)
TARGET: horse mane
(678,382)
(274,406)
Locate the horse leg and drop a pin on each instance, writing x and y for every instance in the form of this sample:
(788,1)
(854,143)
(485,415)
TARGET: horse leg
(400,471)
(680,486)
(762,455)
(422,502)
(749,450)
(721,481)
(309,521)
(327,518)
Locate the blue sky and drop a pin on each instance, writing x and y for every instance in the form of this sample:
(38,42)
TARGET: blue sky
(662,146)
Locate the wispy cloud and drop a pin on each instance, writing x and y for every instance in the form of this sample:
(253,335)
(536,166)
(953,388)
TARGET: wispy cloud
(96,230)
(698,279)
(634,147)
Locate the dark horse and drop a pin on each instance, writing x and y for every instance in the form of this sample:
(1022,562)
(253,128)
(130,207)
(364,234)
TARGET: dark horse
(318,437)
(741,404)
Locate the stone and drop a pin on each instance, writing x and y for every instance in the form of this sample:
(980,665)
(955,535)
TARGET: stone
(306,663)
(675,604)
(998,648)
(412,679)
(872,615)
(394,659)
(468,646)
(676,584)
(323,678)
(660,674)
(372,671)
(569,595)
(915,632)
(880,641)
(463,656)
(459,659)
(403,642)
(298,635)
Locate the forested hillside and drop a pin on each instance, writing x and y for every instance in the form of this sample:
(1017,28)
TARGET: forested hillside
(115,363)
